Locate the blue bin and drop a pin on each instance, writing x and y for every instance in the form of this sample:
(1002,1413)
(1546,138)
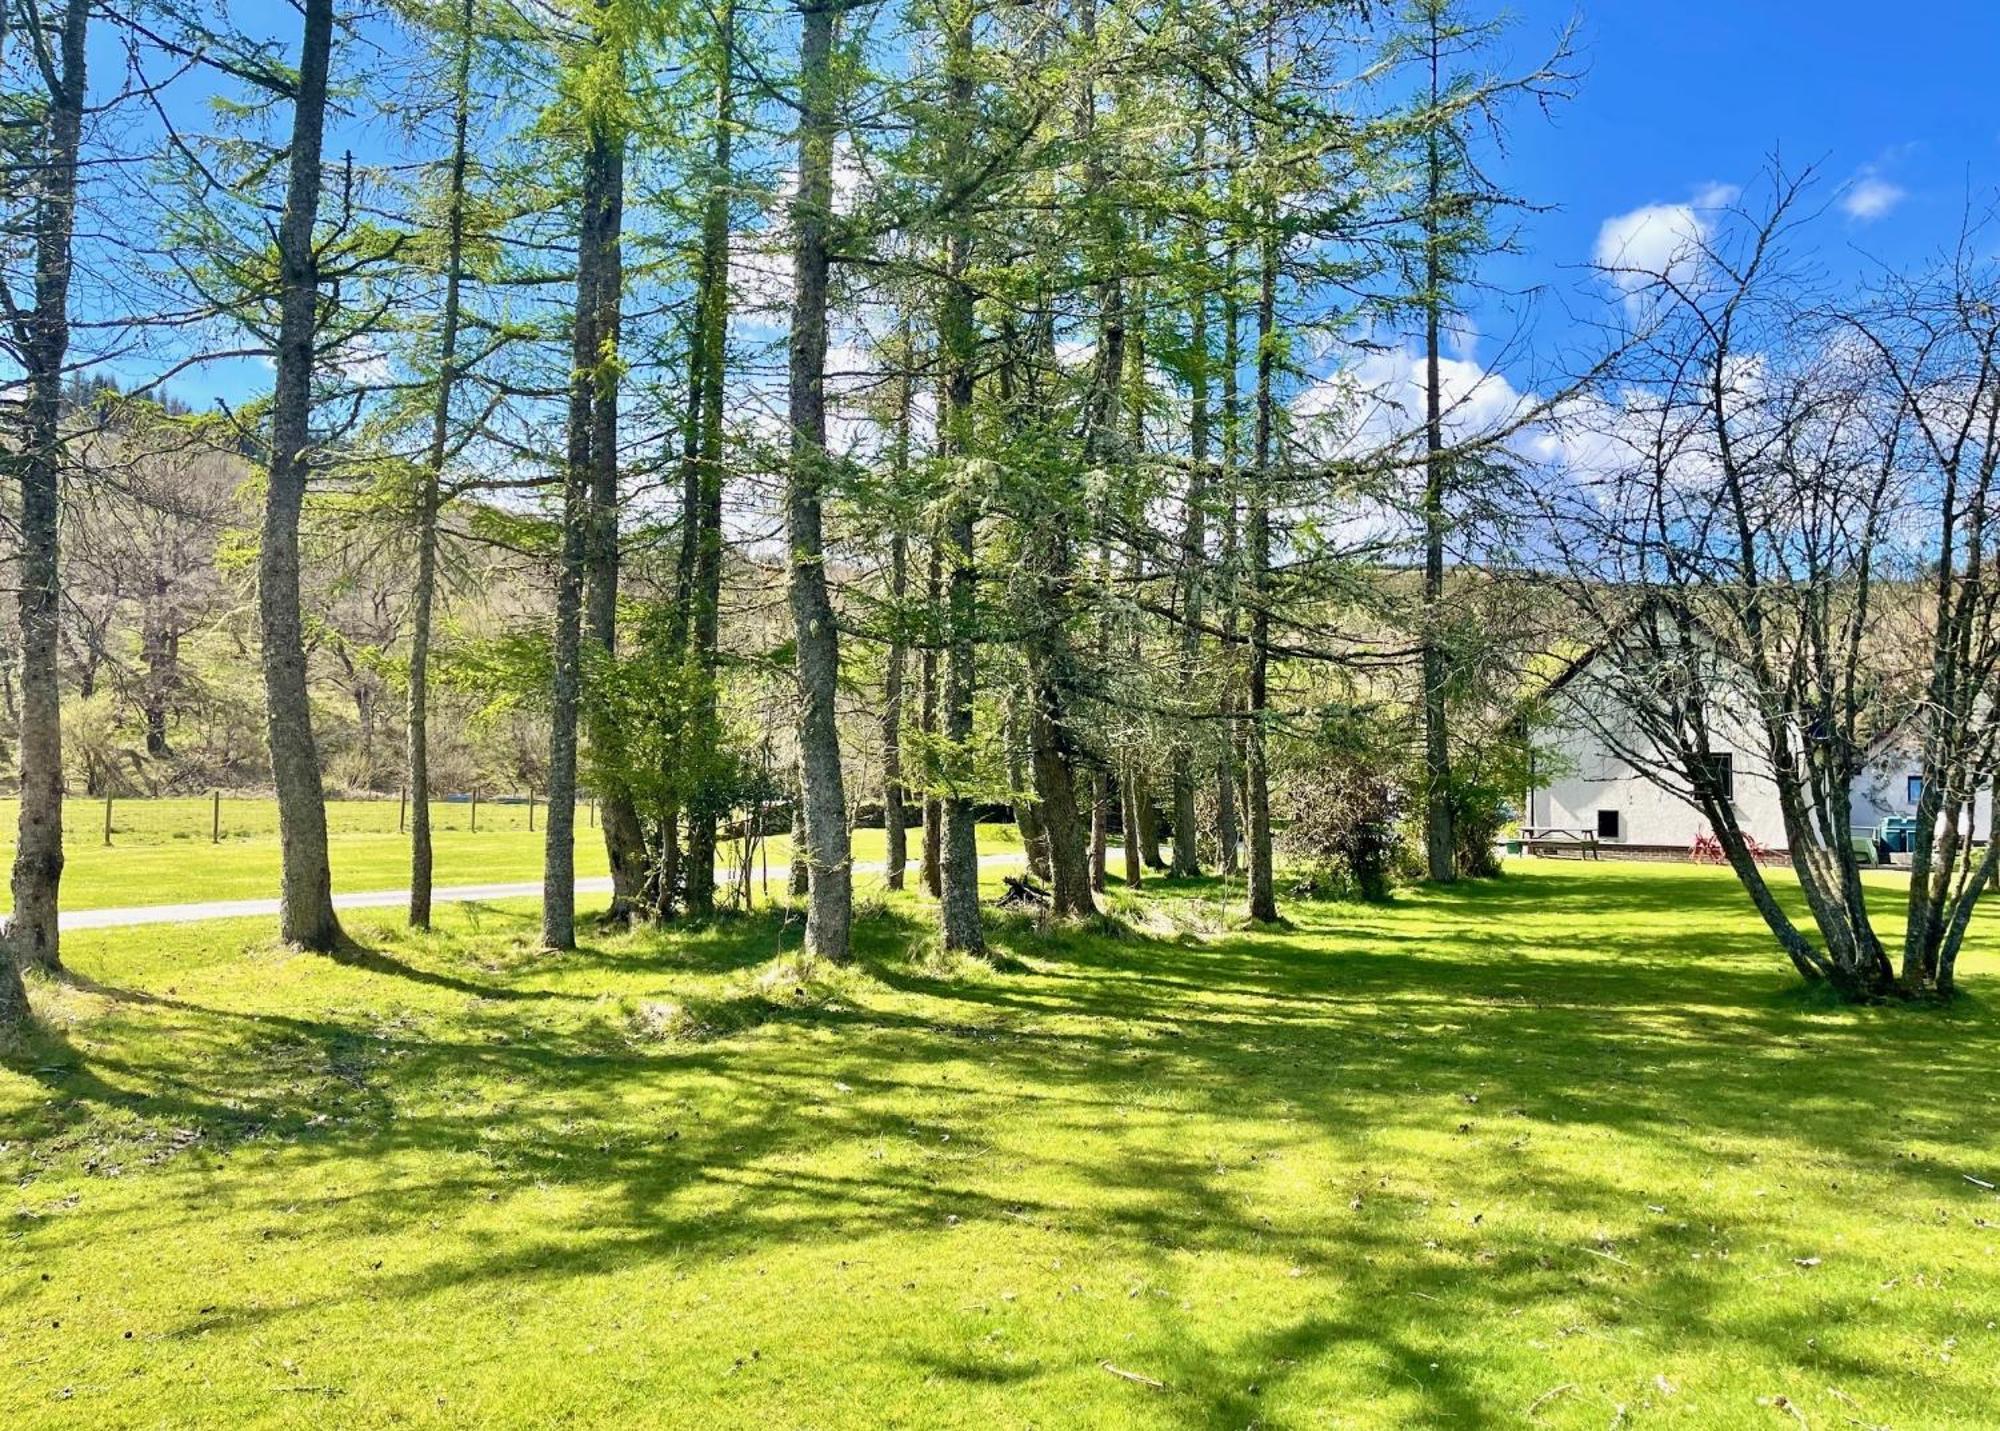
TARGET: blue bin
(1898,833)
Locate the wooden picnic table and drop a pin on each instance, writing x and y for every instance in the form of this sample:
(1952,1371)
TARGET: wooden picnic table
(1555,839)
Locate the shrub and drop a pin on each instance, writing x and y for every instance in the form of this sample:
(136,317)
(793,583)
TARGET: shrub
(1346,812)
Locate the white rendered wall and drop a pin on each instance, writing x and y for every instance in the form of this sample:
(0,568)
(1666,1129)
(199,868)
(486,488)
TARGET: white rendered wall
(1582,775)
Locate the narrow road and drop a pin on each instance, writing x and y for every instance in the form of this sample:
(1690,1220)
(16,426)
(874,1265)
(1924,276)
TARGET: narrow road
(368,899)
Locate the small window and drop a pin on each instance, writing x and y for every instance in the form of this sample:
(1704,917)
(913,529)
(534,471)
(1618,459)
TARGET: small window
(1721,777)
(1610,825)
(1916,789)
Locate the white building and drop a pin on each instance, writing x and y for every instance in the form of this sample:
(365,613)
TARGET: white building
(1592,777)
(1892,782)
(1595,778)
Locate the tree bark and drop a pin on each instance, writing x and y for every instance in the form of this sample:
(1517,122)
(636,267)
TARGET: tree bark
(306,915)
(1147,816)
(1263,905)
(705,512)
(33,938)
(160,650)
(417,723)
(1053,759)
(933,811)
(799,880)
(600,293)
(1128,830)
(894,815)
(1027,812)
(894,839)
(1228,833)
(1440,844)
(1194,552)
(578,559)
(958,897)
(830,901)
(1100,828)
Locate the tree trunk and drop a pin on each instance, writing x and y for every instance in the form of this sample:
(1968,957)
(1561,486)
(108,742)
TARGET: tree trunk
(159,648)
(1440,843)
(1228,832)
(1147,816)
(830,901)
(933,812)
(306,894)
(895,842)
(1128,830)
(1194,553)
(799,881)
(894,817)
(1048,548)
(1262,890)
(958,897)
(580,557)
(1053,761)
(600,293)
(429,497)
(32,935)
(705,512)
(1100,828)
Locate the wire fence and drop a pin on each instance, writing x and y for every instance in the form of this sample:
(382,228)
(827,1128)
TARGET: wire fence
(217,818)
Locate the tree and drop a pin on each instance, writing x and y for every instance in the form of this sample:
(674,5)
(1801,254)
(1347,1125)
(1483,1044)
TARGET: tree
(1453,209)
(38,333)
(702,481)
(1781,542)
(430,482)
(958,893)
(830,897)
(306,915)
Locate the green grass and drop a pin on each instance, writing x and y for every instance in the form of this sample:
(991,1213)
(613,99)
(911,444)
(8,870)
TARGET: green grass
(1570,1149)
(161,851)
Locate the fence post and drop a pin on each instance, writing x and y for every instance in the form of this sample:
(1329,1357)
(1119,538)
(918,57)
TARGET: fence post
(215,820)
(402,809)
(107,817)
(475,809)
(531,812)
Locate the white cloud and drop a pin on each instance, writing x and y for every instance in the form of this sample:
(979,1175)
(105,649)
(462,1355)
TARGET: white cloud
(1869,196)
(1377,404)
(360,363)
(1659,241)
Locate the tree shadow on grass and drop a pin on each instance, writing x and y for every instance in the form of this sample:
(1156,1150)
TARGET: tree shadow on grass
(1485,1023)
(354,955)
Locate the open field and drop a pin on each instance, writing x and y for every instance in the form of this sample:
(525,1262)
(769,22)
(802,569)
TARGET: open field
(161,851)
(1570,1149)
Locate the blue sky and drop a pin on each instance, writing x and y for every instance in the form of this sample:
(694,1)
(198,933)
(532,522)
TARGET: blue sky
(1679,100)
(1894,105)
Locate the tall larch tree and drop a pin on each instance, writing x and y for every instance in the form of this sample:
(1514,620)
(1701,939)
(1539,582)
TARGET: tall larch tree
(306,915)
(830,892)
(39,335)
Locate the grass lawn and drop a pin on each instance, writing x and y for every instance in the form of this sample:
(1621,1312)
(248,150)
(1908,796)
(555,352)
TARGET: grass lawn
(1568,1150)
(161,852)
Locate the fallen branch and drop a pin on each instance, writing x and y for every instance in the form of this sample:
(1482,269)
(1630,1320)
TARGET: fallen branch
(1977,1182)
(1545,1398)
(1785,1404)
(1124,1375)
(1024,891)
